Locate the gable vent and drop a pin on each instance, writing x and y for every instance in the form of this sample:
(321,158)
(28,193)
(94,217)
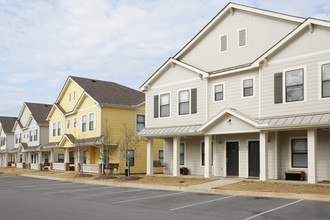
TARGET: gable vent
(93,80)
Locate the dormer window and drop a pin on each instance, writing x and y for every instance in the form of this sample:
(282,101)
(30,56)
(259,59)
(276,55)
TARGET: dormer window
(223,43)
(242,37)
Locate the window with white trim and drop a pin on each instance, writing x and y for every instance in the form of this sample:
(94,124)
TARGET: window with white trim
(242,37)
(91,124)
(68,124)
(184,102)
(59,128)
(223,43)
(247,87)
(75,122)
(294,85)
(31,136)
(35,134)
(218,92)
(130,157)
(70,97)
(165,105)
(54,129)
(74,95)
(140,122)
(161,156)
(299,153)
(83,123)
(182,153)
(325,80)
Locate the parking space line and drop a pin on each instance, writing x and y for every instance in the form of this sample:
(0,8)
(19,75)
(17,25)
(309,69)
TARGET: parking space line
(64,191)
(112,193)
(199,203)
(150,197)
(271,210)
(21,183)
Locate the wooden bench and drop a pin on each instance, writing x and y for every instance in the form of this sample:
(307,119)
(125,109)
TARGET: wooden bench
(295,175)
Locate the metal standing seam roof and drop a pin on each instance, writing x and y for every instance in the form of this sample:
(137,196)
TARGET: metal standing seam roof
(297,121)
(170,131)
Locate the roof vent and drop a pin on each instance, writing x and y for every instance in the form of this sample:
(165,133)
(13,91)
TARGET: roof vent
(93,80)
(46,105)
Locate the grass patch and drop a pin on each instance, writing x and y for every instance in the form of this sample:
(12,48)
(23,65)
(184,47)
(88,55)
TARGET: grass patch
(106,177)
(258,186)
(83,175)
(128,178)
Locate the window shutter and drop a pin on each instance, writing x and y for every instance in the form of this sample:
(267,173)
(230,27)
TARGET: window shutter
(193,101)
(278,90)
(156,97)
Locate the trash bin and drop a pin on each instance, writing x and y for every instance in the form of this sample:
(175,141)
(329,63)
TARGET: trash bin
(126,172)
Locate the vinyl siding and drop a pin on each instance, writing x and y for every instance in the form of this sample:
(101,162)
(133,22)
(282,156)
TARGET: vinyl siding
(323,155)
(268,30)
(233,94)
(312,102)
(64,101)
(175,119)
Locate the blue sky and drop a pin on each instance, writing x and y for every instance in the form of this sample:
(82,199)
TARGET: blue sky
(42,42)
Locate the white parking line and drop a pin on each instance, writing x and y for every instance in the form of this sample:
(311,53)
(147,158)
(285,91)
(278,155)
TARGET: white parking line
(112,193)
(109,187)
(199,203)
(271,210)
(21,183)
(130,200)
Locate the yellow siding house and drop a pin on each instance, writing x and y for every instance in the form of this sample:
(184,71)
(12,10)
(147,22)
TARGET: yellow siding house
(86,126)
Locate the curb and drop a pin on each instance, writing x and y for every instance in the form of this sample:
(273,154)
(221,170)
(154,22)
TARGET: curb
(316,197)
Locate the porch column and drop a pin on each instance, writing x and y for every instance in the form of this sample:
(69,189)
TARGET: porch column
(176,156)
(6,159)
(208,156)
(263,136)
(66,159)
(276,155)
(51,159)
(100,162)
(150,156)
(40,160)
(78,159)
(312,155)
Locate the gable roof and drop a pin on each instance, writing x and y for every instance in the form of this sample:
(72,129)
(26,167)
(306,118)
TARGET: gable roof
(110,93)
(230,8)
(7,123)
(39,111)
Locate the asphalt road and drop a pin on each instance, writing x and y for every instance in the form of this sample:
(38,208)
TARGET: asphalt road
(29,198)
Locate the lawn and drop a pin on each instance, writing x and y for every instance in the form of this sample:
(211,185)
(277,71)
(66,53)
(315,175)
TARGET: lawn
(258,186)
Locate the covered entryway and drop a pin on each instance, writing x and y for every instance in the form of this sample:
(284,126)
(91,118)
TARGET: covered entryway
(232,158)
(254,159)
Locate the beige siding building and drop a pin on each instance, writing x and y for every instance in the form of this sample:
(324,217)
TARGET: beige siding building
(248,96)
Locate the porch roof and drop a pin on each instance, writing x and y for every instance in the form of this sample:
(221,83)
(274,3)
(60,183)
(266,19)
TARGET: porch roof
(306,120)
(171,131)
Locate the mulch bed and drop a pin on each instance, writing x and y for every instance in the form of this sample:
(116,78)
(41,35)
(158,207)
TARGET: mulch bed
(83,175)
(128,178)
(106,177)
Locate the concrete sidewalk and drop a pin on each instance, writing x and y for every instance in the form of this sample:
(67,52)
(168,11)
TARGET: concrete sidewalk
(200,188)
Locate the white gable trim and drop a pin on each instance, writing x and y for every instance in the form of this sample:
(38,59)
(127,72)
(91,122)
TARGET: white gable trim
(202,74)
(223,113)
(62,139)
(230,8)
(51,111)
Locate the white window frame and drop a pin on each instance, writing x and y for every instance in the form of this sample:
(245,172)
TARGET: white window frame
(163,156)
(59,128)
(320,80)
(220,48)
(94,122)
(81,123)
(136,121)
(53,128)
(189,105)
(134,158)
(159,95)
(74,95)
(223,91)
(284,86)
(290,152)
(254,86)
(184,153)
(245,28)
(75,122)
(70,97)
(68,124)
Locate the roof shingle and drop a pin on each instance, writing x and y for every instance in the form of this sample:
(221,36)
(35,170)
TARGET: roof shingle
(39,111)
(7,123)
(105,92)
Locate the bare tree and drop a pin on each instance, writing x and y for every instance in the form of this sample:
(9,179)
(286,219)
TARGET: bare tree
(105,151)
(128,143)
